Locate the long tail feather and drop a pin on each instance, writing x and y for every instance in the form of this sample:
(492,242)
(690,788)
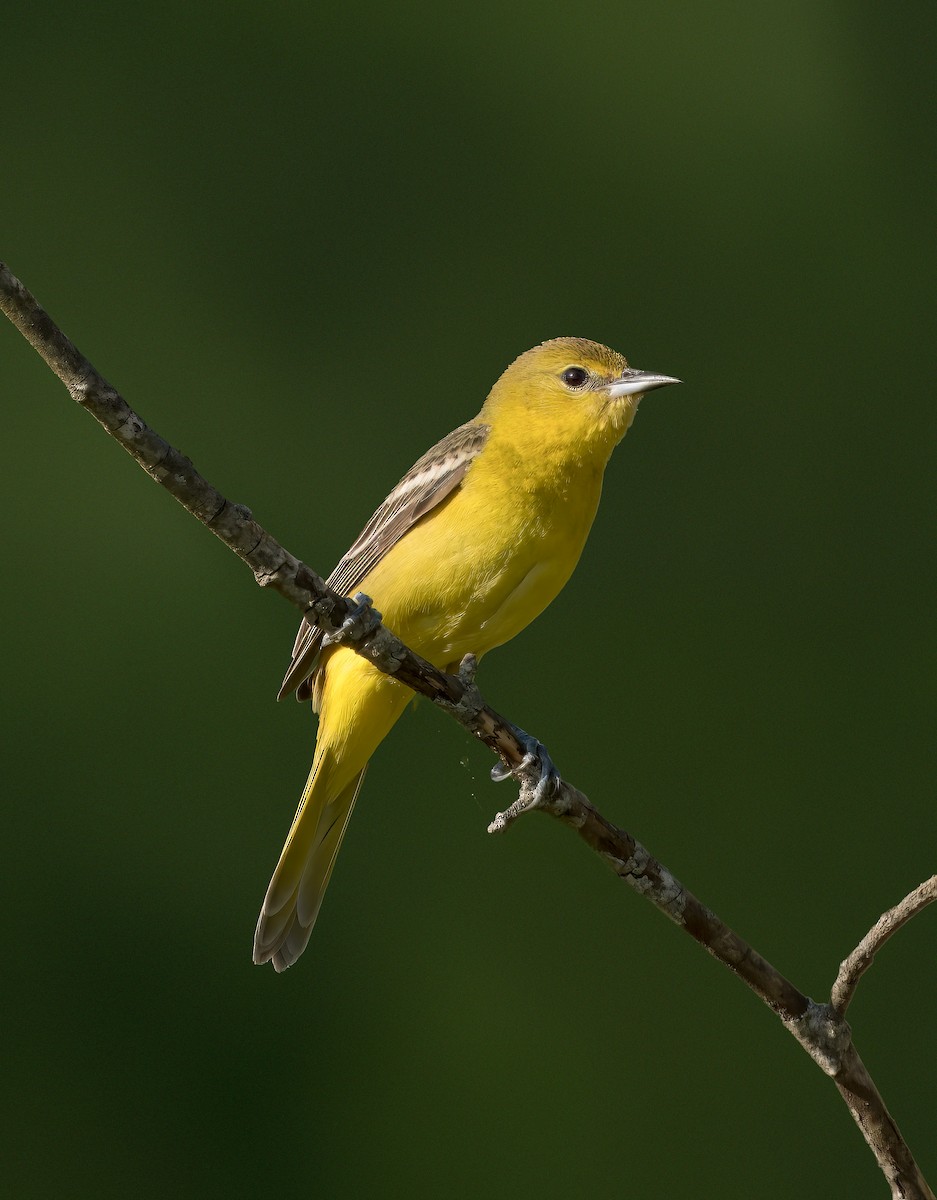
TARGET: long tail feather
(294,896)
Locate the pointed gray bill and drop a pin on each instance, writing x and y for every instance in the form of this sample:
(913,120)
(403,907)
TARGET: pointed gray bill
(634,382)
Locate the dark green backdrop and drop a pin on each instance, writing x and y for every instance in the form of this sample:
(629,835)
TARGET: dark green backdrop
(304,244)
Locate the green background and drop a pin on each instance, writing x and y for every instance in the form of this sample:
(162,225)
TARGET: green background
(304,243)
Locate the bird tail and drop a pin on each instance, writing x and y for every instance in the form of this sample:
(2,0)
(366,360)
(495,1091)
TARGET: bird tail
(294,896)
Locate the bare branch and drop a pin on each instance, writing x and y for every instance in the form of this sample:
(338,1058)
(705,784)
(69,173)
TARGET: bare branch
(855,966)
(638,868)
(820,1029)
(884,1139)
(273,566)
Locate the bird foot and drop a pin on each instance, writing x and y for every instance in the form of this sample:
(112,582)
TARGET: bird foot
(361,622)
(538,779)
(468,669)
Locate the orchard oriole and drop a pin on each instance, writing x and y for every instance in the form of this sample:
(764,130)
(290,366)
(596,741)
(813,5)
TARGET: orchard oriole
(472,544)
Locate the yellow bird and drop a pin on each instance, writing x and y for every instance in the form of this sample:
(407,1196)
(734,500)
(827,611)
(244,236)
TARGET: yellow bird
(472,544)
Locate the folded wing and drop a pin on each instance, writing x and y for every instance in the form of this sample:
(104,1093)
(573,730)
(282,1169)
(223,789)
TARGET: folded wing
(428,482)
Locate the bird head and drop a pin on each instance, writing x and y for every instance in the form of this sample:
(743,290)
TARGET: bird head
(582,392)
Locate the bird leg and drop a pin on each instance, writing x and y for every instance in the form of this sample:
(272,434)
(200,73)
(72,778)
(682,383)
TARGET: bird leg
(535,772)
(361,622)
(538,779)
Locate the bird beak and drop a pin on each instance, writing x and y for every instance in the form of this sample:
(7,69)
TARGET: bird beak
(633,383)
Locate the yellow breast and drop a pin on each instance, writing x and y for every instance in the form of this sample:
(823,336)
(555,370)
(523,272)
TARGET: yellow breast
(483,565)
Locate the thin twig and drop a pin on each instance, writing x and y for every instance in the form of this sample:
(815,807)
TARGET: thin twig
(855,966)
(820,1029)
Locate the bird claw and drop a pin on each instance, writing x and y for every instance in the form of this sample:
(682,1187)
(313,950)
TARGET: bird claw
(533,794)
(361,622)
(501,771)
(468,669)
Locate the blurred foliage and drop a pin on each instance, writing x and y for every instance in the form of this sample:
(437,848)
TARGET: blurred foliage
(304,243)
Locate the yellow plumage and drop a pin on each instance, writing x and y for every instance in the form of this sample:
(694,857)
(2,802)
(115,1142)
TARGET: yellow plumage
(478,538)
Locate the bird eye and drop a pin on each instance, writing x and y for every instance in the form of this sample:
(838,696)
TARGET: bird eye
(575,377)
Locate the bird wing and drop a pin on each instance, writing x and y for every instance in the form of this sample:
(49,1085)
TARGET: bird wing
(428,482)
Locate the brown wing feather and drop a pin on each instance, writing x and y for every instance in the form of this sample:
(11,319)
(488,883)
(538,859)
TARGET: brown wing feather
(428,482)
